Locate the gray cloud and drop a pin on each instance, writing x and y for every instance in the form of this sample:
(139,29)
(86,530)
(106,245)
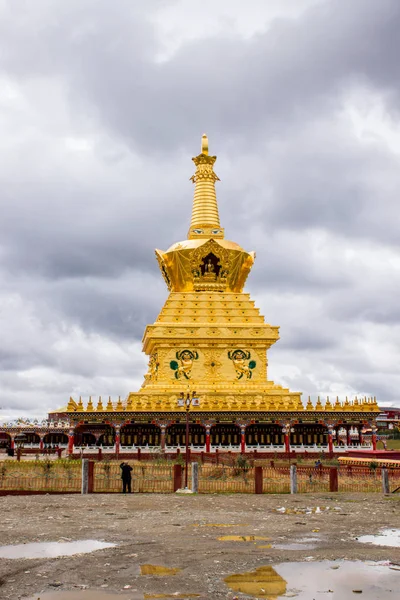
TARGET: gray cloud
(95,167)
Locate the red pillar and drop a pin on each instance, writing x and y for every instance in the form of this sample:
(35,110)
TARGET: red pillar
(360,436)
(91,477)
(71,441)
(287,441)
(243,440)
(374,439)
(330,440)
(258,476)
(162,436)
(41,443)
(333,479)
(348,437)
(12,444)
(177,481)
(208,439)
(117,439)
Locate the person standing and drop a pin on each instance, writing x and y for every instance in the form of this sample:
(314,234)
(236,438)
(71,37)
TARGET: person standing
(126,477)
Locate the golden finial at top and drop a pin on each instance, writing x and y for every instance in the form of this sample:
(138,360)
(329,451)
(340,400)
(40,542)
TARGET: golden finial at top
(204,144)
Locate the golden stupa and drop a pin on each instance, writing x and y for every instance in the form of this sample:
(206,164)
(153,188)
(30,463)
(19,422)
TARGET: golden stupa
(209,336)
(210,344)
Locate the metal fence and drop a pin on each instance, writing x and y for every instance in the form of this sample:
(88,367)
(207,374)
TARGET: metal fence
(40,476)
(223,478)
(365,479)
(65,476)
(145,477)
(276,480)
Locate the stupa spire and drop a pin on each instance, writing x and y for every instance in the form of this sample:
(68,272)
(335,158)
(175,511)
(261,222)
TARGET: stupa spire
(205,218)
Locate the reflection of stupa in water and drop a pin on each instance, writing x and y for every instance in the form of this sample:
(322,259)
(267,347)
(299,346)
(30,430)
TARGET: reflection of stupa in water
(264,582)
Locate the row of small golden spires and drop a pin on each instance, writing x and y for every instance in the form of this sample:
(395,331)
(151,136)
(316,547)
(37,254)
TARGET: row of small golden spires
(352,405)
(349,405)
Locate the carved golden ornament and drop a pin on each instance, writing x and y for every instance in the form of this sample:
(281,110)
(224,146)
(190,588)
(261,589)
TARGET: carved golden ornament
(163,269)
(213,332)
(152,373)
(212,364)
(242,368)
(182,367)
(176,332)
(210,267)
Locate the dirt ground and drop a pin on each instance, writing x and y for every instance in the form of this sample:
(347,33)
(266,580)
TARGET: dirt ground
(179,531)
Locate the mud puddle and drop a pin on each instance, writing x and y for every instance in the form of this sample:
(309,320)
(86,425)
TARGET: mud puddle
(307,510)
(52,549)
(86,595)
(386,537)
(336,580)
(309,543)
(220,525)
(176,595)
(242,538)
(158,570)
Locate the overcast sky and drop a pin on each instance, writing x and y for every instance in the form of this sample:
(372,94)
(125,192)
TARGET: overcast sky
(103,104)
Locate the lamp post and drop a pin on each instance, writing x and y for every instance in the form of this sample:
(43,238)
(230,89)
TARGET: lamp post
(187,402)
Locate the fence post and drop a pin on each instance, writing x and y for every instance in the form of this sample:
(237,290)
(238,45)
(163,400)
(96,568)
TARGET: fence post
(177,477)
(85,476)
(195,477)
(91,477)
(258,480)
(100,454)
(139,451)
(333,479)
(293,479)
(385,481)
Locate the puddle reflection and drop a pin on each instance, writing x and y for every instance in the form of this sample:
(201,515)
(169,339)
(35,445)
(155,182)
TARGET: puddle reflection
(220,524)
(295,546)
(386,537)
(242,538)
(52,549)
(307,510)
(264,582)
(341,580)
(158,570)
(176,595)
(301,544)
(85,595)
